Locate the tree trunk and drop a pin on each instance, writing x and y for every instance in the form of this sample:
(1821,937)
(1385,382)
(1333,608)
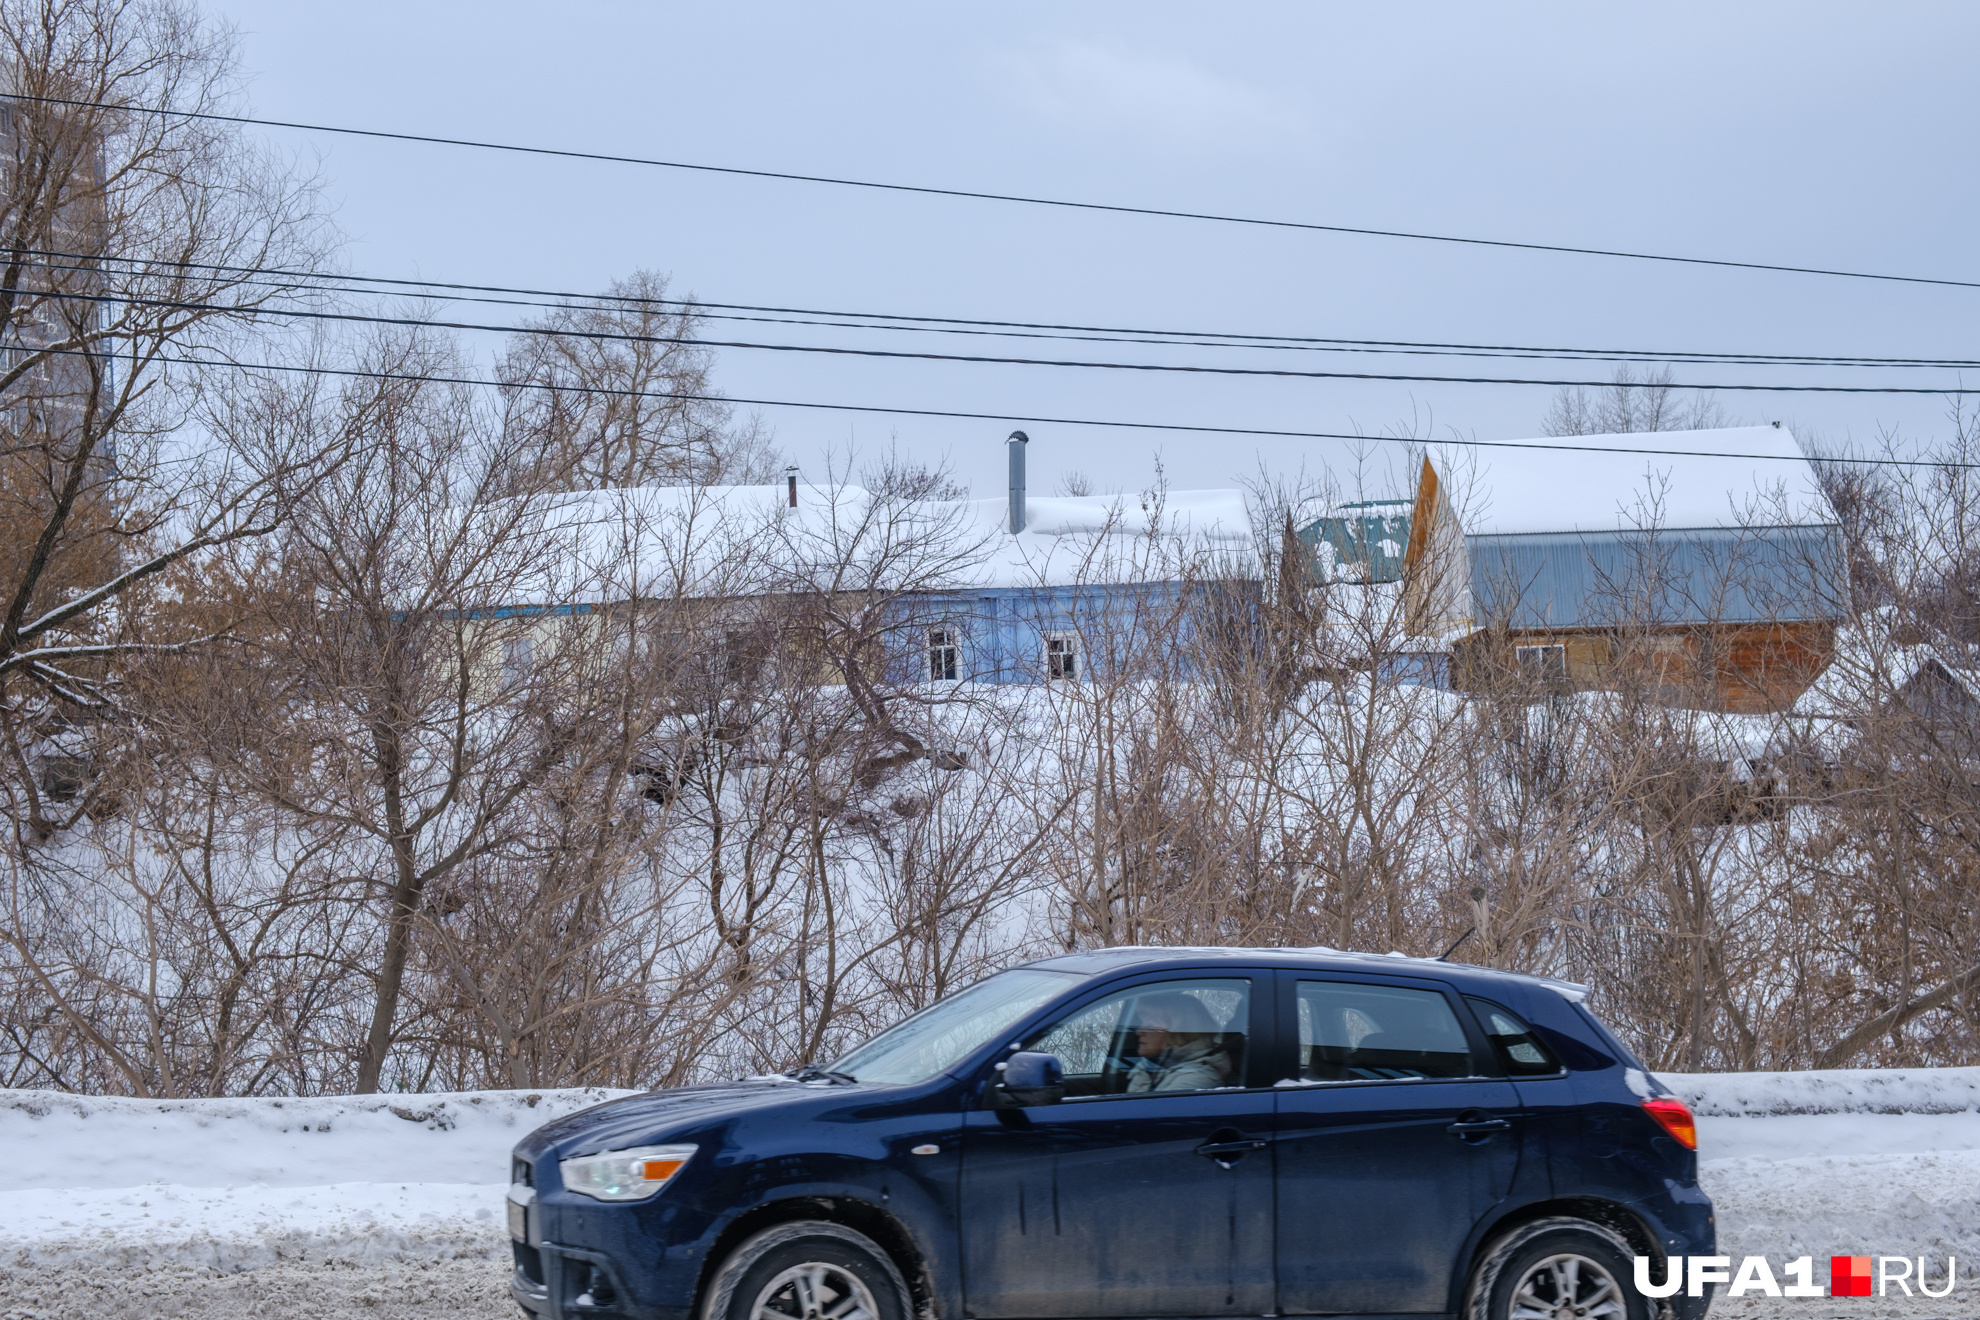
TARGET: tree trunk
(406,890)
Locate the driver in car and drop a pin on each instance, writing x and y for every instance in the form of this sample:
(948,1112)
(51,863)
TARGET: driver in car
(1178,1047)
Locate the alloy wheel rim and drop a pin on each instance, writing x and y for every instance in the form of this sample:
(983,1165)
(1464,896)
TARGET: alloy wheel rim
(1567,1287)
(815,1291)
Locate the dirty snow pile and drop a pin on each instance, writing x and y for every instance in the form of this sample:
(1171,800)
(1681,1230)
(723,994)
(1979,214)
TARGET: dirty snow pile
(235,1185)
(1833,1163)
(1842,1163)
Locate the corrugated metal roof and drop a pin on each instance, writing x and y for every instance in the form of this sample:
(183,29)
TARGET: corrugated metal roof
(1671,576)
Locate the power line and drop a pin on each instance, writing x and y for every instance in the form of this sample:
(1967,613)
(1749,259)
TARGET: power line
(984,359)
(329,283)
(684,396)
(976,195)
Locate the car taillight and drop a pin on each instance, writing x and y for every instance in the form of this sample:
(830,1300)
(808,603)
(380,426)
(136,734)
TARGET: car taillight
(1674,1116)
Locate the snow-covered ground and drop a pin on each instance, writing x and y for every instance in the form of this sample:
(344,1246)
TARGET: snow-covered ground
(392,1205)
(1845,1163)
(240,1184)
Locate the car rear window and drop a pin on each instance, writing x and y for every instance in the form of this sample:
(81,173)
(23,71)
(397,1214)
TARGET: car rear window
(1350,1031)
(1521,1051)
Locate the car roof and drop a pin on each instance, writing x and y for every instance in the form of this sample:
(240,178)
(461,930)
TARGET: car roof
(1465,976)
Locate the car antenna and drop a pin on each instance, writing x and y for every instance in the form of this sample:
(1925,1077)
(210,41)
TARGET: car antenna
(1445,956)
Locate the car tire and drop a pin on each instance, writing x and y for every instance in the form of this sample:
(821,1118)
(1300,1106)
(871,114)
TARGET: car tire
(1529,1271)
(810,1269)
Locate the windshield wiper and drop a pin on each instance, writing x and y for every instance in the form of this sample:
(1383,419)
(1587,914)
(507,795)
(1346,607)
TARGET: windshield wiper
(811,1072)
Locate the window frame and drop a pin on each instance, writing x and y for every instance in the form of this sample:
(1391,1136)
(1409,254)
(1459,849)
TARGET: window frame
(1544,673)
(1484,1060)
(1560,1065)
(518,659)
(943,640)
(1055,661)
(1260,1037)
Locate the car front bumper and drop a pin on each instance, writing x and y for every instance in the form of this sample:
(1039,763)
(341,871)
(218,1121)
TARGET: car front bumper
(611,1273)
(558,1282)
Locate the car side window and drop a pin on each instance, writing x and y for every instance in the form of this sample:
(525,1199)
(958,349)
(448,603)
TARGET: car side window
(1158,1038)
(1354,1032)
(1521,1052)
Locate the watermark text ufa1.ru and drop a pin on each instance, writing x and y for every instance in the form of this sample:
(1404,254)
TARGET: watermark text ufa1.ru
(1849,1276)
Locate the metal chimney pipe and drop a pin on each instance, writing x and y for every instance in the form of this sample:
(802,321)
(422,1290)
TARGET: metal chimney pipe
(790,476)
(1016,445)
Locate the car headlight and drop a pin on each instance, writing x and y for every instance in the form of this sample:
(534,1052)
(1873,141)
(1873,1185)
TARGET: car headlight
(624,1175)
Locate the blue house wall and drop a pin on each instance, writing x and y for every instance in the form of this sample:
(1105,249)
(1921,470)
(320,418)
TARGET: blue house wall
(1001,632)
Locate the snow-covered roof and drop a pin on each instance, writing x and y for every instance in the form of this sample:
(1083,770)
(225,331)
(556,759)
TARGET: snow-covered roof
(1216,515)
(1967,680)
(646,542)
(1741,476)
(1869,668)
(1111,538)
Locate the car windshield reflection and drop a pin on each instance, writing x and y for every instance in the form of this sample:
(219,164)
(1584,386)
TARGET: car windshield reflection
(948,1031)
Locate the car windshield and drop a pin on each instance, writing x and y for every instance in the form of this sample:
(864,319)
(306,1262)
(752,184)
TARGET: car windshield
(937,1038)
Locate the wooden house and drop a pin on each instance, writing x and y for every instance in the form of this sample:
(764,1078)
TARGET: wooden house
(1704,566)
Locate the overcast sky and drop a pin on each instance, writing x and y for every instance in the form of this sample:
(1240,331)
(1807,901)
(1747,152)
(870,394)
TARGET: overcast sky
(1806,134)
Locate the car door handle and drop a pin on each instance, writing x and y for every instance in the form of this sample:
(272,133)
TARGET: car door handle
(1224,1149)
(1477,1129)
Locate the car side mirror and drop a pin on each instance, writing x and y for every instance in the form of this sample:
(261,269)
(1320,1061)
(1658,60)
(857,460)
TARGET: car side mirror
(1030,1077)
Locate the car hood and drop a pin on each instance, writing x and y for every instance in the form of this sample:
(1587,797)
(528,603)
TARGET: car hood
(656,1115)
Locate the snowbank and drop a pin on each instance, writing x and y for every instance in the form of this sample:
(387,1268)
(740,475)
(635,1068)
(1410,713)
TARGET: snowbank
(1844,1091)
(234,1185)
(65,1141)
(1855,1162)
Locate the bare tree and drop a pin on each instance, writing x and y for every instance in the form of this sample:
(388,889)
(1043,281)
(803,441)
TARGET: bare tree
(483,782)
(130,238)
(617,392)
(1636,401)
(402,731)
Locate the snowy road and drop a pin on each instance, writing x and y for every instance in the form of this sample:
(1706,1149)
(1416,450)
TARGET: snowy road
(391,1206)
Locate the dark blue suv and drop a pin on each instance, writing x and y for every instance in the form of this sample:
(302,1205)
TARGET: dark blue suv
(1142,1133)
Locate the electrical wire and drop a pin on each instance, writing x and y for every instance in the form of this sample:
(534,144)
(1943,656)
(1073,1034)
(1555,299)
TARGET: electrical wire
(356,284)
(889,410)
(983,359)
(979,195)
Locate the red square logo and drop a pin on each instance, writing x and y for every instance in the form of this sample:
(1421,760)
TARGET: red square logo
(1849,1276)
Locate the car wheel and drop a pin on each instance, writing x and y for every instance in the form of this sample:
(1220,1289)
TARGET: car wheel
(1556,1269)
(808,1270)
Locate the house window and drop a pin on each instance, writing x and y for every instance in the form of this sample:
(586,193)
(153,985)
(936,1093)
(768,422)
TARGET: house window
(1062,655)
(944,654)
(1542,664)
(518,660)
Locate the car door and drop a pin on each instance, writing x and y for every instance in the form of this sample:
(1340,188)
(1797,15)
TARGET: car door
(1146,1191)
(1391,1145)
